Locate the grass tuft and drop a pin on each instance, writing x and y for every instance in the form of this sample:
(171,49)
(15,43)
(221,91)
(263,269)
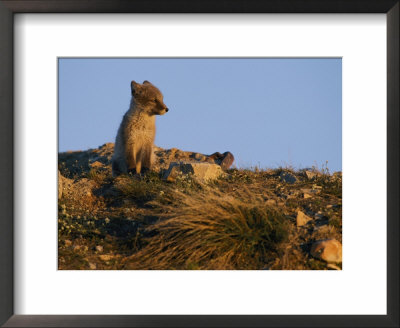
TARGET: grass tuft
(212,231)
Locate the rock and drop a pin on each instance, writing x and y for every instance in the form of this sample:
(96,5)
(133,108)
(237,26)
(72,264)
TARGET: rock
(99,248)
(81,162)
(333,267)
(308,193)
(92,266)
(199,171)
(270,202)
(225,160)
(288,177)
(105,257)
(96,164)
(302,219)
(198,157)
(332,206)
(322,231)
(329,250)
(311,174)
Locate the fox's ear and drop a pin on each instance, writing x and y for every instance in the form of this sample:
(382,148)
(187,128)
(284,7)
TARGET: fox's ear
(134,87)
(146,82)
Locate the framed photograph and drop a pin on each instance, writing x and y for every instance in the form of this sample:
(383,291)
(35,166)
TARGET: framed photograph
(267,195)
(209,165)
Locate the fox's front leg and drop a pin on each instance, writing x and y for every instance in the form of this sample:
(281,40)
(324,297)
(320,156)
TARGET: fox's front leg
(147,156)
(138,166)
(130,155)
(139,159)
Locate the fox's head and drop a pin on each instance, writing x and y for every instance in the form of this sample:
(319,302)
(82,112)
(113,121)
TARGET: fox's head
(148,98)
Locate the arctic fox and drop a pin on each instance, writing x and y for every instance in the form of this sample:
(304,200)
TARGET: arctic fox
(133,150)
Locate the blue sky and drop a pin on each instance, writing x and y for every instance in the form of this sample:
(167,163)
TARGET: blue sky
(267,112)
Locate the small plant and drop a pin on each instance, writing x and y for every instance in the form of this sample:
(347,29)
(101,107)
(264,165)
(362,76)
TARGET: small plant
(63,169)
(186,183)
(239,176)
(98,176)
(336,221)
(325,169)
(140,189)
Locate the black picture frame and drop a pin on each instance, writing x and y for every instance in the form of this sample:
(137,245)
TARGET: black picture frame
(7,10)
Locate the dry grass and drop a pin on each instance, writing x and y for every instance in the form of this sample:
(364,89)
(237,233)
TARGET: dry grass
(210,230)
(99,176)
(139,189)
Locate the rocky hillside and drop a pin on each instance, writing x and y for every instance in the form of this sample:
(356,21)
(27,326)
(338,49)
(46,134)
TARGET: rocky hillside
(193,211)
